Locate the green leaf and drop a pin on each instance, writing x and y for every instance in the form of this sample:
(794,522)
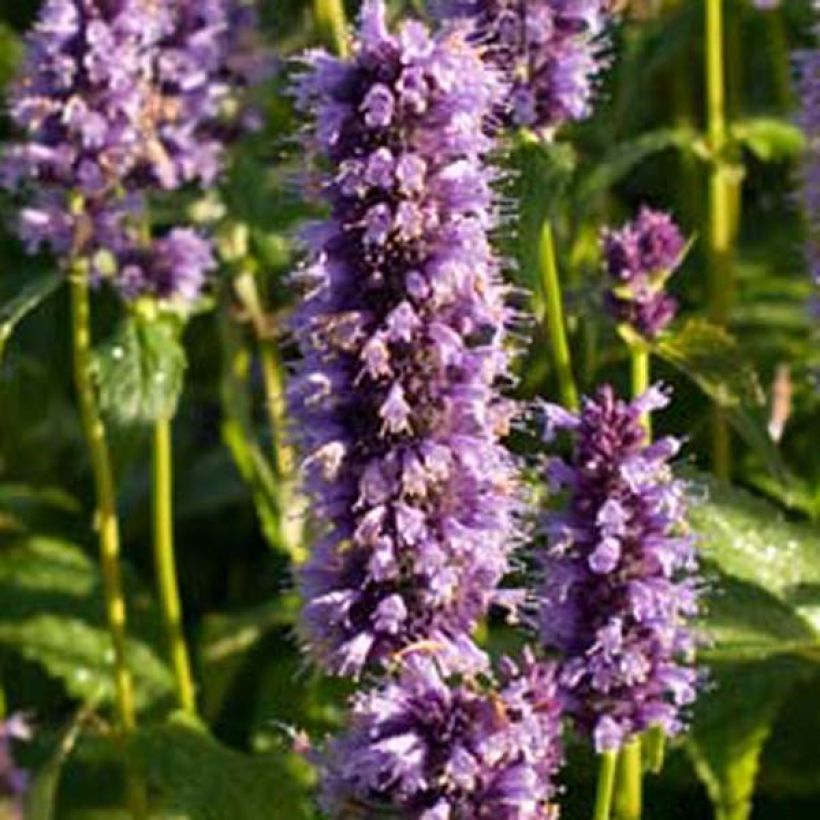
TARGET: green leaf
(712,358)
(769,139)
(732,723)
(750,540)
(52,614)
(33,294)
(11,50)
(196,778)
(141,370)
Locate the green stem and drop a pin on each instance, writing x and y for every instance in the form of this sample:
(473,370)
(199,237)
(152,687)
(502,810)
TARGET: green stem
(655,749)
(332,24)
(606,785)
(554,318)
(106,521)
(628,796)
(640,376)
(722,223)
(165,566)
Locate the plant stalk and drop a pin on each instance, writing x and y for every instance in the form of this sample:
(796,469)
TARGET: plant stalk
(332,24)
(629,791)
(606,785)
(554,318)
(640,377)
(106,521)
(165,566)
(722,221)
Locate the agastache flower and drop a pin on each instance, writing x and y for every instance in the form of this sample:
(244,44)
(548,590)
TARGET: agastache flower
(117,100)
(620,573)
(403,334)
(13,780)
(550,50)
(638,259)
(427,749)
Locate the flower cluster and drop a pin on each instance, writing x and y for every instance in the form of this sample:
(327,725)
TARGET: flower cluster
(639,258)
(117,99)
(13,781)
(550,50)
(620,577)
(429,750)
(808,92)
(403,337)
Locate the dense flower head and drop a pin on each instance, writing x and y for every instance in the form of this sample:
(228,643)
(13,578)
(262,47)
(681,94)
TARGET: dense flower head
(422,747)
(619,568)
(116,99)
(550,49)
(403,338)
(639,258)
(13,780)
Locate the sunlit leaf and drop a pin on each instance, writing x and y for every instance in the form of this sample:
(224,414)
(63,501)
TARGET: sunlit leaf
(768,138)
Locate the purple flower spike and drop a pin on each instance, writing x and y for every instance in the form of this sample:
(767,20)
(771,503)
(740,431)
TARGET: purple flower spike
(427,750)
(403,333)
(550,50)
(13,780)
(620,575)
(639,258)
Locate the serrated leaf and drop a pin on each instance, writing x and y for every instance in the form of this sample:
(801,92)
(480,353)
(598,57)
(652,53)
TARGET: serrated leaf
(196,778)
(52,614)
(141,370)
(712,358)
(768,138)
(32,295)
(732,723)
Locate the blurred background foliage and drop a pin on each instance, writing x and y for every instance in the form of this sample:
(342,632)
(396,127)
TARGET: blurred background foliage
(758,722)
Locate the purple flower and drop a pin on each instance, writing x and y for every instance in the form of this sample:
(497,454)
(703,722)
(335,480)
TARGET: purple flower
(550,50)
(427,749)
(639,258)
(620,574)
(13,780)
(403,334)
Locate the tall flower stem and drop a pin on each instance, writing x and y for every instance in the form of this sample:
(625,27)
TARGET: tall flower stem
(332,24)
(640,375)
(165,566)
(106,522)
(629,792)
(554,317)
(722,224)
(606,785)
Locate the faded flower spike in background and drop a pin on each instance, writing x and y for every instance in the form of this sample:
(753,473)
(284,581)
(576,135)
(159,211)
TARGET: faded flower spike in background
(403,332)
(432,751)
(620,573)
(551,51)
(13,780)
(639,258)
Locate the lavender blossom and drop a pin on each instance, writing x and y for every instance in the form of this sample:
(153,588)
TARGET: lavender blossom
(639,258)
(428,750)
(620,578)
(403,338)
(13,780)
(550,50)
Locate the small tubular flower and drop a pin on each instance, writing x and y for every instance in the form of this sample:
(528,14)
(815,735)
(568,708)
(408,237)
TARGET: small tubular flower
(550,50)
(403,335)
(431,750)
(620,573)
(639,258)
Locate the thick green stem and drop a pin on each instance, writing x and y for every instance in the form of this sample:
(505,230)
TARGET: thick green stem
(554,318)
(165,566)
(722,221)
(629,791)
(606,785)
(332,24)
(640,376)
(106,521)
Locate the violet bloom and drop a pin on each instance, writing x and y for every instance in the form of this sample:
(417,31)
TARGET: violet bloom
(13,780)
(639,258)
(427,750)
(620,573)
(403,334)
(550,50)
